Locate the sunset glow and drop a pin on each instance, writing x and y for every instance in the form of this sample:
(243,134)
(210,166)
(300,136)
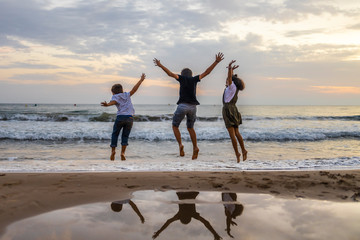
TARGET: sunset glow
(91,45)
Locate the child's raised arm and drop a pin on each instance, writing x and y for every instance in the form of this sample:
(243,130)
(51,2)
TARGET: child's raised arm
(137,85)
(168,72)
(230,72)
(218,58)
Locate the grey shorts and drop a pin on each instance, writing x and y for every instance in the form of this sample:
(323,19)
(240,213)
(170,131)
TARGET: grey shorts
(182,110)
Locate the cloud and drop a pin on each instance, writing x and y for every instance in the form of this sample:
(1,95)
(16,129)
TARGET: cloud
(355,26)
(141,27)
(336,89)
(304,32)
(28,66)
(35,77)
(285,79)
(78,42)
(8,42)
(105,26)
(100,26)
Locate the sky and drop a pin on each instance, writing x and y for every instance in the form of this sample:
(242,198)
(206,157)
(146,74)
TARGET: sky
(294,52)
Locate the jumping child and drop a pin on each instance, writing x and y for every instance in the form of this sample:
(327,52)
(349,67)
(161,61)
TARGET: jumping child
(187,101)
(124,119)
(231,115)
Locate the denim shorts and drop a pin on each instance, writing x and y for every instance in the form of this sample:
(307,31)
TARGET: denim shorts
(124,123)
(182,110)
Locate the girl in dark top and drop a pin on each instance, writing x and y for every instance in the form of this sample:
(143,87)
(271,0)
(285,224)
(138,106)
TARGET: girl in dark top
(231,115)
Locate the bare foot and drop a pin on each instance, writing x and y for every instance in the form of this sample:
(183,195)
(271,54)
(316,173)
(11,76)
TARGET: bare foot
(195,153)
(123,158)
(244,155)
(238,157)
(182,153)
(112,156)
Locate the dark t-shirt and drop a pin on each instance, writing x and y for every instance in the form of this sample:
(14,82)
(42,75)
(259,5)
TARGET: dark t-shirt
(187,90)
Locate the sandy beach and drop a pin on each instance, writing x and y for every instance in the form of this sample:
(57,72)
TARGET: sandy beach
(25,195)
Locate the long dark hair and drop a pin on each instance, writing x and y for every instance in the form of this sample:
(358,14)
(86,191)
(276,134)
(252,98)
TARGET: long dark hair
(239,83)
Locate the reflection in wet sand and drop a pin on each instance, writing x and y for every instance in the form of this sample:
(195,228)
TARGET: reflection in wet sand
(186,212)
(194,215)
(232,210)
(117,206)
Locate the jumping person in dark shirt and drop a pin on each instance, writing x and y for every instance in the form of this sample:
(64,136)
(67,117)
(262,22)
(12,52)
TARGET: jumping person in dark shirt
(187,101)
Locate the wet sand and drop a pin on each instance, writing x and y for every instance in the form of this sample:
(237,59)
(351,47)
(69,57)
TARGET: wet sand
(29,194)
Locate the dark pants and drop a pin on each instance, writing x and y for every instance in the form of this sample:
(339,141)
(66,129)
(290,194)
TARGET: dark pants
(125,123)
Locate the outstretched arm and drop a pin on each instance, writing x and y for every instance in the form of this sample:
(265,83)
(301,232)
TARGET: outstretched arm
(228,223)
(137,85)
(134,207)
(218,58)
(231,72)
(209,227)
(168,72)
(107,104)
(168,222)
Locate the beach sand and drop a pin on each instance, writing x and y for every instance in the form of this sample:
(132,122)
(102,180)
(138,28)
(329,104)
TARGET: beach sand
(29,194)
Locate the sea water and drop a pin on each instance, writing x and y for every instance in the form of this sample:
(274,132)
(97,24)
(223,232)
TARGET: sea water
(57,137)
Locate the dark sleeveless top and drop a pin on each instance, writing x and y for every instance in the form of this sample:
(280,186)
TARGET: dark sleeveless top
(231,115)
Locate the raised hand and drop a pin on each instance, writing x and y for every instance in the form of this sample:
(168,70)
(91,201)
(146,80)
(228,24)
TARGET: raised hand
(232,67)
(143,76)
(219,57)
(156,234)
(156,62)
(231,63)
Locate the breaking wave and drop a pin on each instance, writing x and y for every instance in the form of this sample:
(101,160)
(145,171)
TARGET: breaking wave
(107,117)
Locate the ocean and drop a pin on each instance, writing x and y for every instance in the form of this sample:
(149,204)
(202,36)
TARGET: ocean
(66,138)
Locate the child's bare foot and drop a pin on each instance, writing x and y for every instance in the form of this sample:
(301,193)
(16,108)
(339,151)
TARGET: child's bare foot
(182,153)
(244,155)
(195,153)
(123,158)
(112,156)
(238,157)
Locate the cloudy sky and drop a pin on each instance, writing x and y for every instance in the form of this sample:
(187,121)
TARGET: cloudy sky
(73,51)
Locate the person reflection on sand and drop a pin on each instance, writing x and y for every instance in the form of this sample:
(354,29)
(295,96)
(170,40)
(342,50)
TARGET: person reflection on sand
(232,210)
(116,206)
(186,212)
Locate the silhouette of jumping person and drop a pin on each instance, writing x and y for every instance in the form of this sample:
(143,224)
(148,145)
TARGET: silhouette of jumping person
(186,212)
(232,210)
(117,206)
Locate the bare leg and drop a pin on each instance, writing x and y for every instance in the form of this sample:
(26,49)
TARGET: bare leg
(123,148)
(113,152)
(242,145)
(194,142)
(178,139)
(231,131)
